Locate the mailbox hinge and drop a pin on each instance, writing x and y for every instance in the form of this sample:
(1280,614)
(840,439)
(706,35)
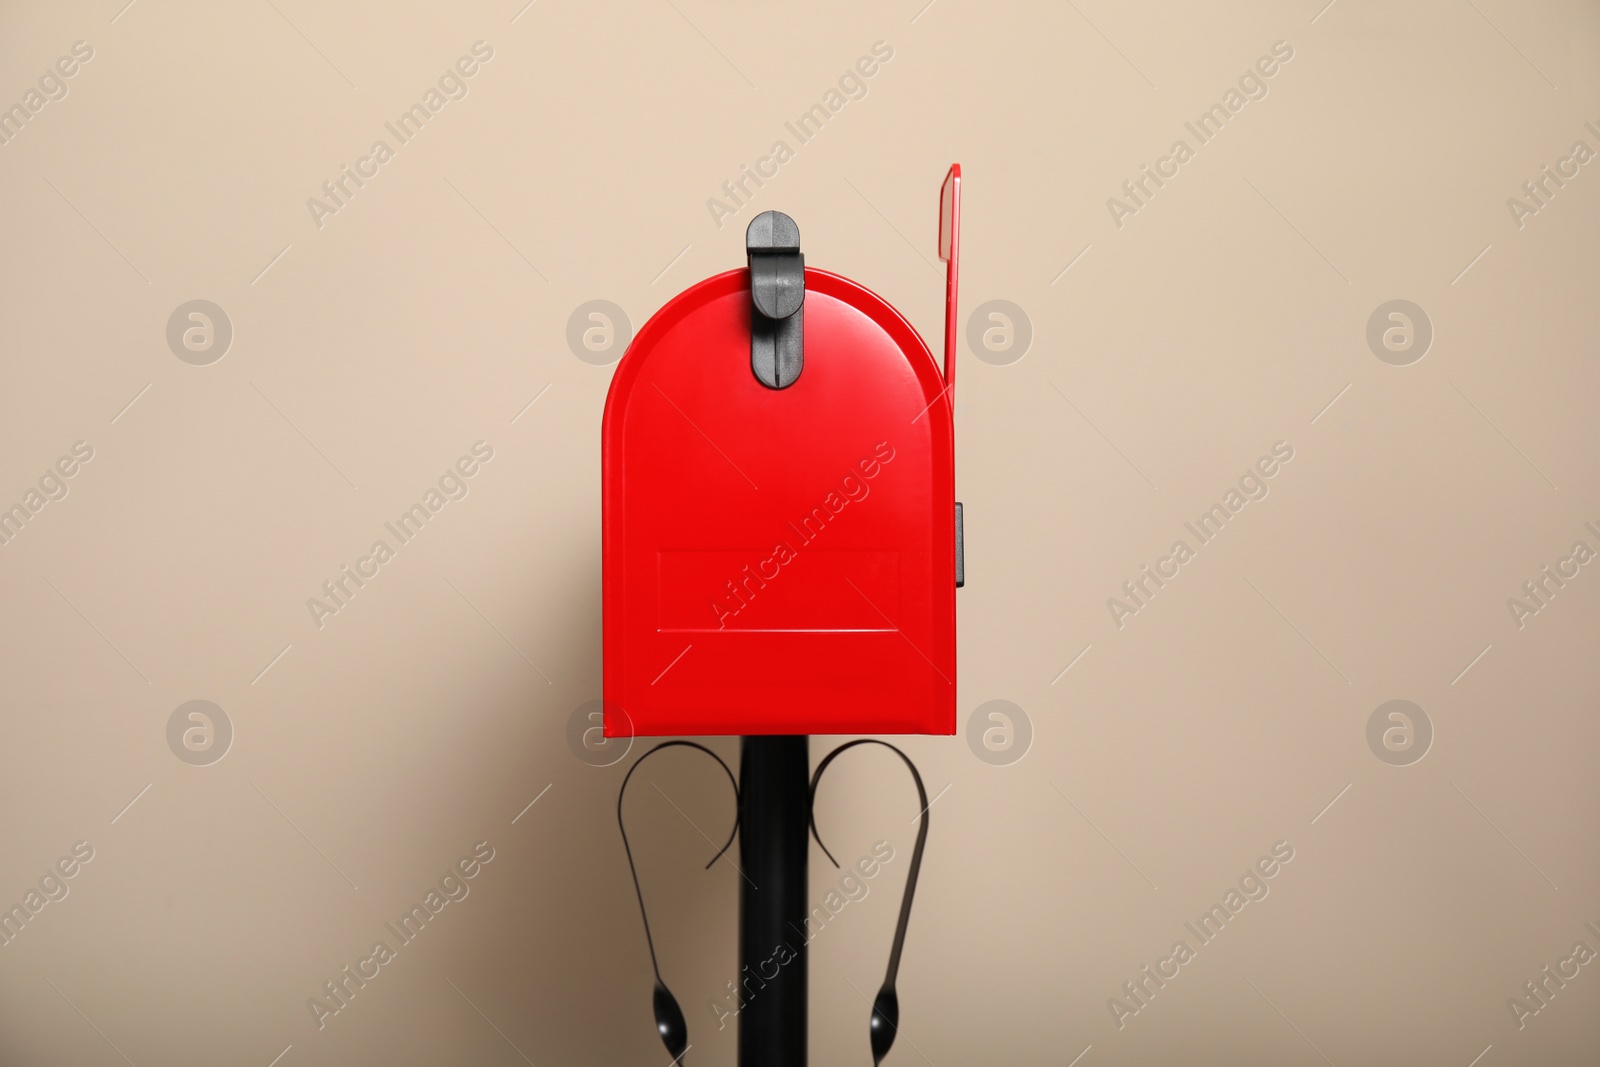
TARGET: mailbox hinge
(777,299)
(961,550)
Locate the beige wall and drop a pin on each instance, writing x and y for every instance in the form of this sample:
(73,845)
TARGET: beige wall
(372,347)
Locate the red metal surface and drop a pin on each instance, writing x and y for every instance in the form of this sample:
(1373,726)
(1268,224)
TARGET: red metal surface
(778,561)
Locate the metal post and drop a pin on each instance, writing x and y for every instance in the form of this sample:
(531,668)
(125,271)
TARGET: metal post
(775,787)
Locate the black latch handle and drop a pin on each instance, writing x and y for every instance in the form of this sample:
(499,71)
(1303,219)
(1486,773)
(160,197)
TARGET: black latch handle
(777,299)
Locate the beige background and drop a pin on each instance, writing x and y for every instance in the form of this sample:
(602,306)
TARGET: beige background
(1228,314)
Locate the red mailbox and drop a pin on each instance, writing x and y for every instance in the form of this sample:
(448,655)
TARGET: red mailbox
(781,537)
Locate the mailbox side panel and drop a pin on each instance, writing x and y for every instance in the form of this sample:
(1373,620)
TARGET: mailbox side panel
(778,561)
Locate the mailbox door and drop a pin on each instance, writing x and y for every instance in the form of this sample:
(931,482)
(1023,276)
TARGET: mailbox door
(778,561)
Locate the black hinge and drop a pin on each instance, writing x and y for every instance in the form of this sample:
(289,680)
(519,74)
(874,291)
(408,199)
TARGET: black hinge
(777,298)
(961,555)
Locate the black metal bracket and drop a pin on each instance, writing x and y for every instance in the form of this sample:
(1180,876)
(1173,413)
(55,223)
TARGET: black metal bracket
(777,299)
(884,1024)
(670,1023)
(774,805)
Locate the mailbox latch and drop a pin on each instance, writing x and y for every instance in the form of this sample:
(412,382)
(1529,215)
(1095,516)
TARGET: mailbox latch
(777,299)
